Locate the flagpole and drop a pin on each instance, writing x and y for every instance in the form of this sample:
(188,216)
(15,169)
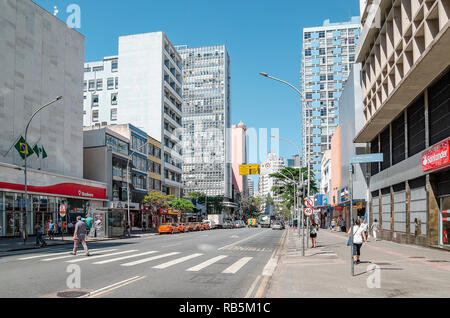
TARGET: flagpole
(26,150)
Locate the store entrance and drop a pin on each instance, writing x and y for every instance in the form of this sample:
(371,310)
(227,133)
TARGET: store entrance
(444,207)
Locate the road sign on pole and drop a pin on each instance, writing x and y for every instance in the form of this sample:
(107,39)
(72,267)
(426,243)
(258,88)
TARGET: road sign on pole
(373,157)
(309,203)
(246,170)
(308,212)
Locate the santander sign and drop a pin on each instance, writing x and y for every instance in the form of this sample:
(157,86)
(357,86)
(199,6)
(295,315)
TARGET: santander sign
(437,157)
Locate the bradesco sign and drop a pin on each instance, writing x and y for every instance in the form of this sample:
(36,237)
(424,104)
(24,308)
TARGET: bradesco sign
(437,157)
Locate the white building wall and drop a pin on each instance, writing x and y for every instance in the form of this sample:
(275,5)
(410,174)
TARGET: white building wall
(40,59)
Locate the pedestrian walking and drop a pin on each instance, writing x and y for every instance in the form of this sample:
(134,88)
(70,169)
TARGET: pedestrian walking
(333,225)
(39,236)
(365,226)
(144,226)
(51,230)
(70,227)
(313,230)
(80,237)
(343,228)
(359,238)
(375,229)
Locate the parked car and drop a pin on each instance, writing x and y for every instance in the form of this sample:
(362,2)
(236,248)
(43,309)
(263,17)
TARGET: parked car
(277,226)
(196,226)
(227,225)
(206,226)
(168,228)
(183,228)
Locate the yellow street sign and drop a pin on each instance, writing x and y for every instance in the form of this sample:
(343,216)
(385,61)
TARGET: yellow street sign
(246,170)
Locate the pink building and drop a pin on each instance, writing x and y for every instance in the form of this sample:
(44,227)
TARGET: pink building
(239,157)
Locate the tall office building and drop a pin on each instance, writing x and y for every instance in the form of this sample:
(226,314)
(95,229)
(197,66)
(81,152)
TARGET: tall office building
(327,54)
(251,187)
(206,120)
(272,164)
(148,96)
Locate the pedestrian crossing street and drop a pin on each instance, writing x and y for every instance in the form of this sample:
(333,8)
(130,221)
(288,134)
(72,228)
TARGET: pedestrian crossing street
(156,259)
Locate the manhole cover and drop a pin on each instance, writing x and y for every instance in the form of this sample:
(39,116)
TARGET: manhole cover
(437,261)
(72,294)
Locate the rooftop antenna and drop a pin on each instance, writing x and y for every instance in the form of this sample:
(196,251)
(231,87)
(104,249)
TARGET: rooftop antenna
(55,10)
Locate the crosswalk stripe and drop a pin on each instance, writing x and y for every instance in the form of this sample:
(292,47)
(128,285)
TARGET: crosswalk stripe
(206,264)
(177,261)
(145,260)
(237,266)
(70,255)
(44,255)
(99,256)
(124,257)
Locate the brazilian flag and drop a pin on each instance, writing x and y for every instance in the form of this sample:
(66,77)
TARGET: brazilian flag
(23,148)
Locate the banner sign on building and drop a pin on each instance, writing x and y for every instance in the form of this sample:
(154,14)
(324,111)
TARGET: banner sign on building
(437,157)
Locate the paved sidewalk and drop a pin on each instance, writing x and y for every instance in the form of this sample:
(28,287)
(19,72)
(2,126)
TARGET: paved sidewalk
(405,271)
(16,244)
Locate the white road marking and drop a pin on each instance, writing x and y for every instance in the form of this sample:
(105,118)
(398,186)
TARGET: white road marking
(177,261)
(70,255)
(270,267)
(88,258)
(238,242)
(233,269)
(145,260)
(124,257)
(113,286)
(206,264)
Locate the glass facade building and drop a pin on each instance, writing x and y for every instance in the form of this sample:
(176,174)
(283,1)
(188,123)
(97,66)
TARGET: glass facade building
(327,56)
(206,120)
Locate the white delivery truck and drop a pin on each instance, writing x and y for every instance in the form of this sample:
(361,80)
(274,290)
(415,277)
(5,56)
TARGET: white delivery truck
(216,221)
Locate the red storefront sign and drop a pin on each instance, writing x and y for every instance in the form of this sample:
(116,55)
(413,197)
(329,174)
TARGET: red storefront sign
(339,208)
(437,157)
(63,189)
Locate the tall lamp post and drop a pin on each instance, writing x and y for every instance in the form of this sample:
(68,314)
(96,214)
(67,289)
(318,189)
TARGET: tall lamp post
(26,147)
(128,179)
(303,101)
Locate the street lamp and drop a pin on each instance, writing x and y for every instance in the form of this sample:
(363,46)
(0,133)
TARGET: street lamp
(26,147)
(303,101)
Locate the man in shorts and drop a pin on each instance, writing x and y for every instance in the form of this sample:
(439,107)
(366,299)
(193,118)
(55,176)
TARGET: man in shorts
(79,236)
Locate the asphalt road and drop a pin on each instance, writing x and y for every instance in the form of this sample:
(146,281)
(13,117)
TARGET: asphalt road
(209,264)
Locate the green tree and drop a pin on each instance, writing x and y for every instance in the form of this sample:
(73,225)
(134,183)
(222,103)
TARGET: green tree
(181,204)
(213,204)
(287,190)
(157,200)
(251,207)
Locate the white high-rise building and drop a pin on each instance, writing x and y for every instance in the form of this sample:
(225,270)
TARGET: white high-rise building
(272,164)
(207,120)
(142,86)
(327,55)
(251,187)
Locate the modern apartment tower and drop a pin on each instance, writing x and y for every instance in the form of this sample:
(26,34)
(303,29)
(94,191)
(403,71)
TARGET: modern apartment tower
(327,55)
(206,120)
(272,164)
(149,96)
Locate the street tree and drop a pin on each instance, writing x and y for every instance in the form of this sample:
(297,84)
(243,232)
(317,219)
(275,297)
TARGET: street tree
(181,204)
(287,189)
(157,200)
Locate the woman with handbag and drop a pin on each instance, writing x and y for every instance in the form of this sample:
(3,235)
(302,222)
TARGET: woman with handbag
(359,237)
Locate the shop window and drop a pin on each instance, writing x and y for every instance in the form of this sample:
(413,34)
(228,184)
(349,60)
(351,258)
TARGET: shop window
(439,109)
(398,139)
(385,148)
(416,127)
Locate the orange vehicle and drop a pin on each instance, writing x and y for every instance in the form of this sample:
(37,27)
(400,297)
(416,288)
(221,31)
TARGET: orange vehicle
(206,226)
(167,228)
(183,228)
(189,227)
(197,226)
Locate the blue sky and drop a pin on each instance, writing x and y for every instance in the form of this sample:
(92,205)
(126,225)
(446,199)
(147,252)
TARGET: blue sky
(260,35)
